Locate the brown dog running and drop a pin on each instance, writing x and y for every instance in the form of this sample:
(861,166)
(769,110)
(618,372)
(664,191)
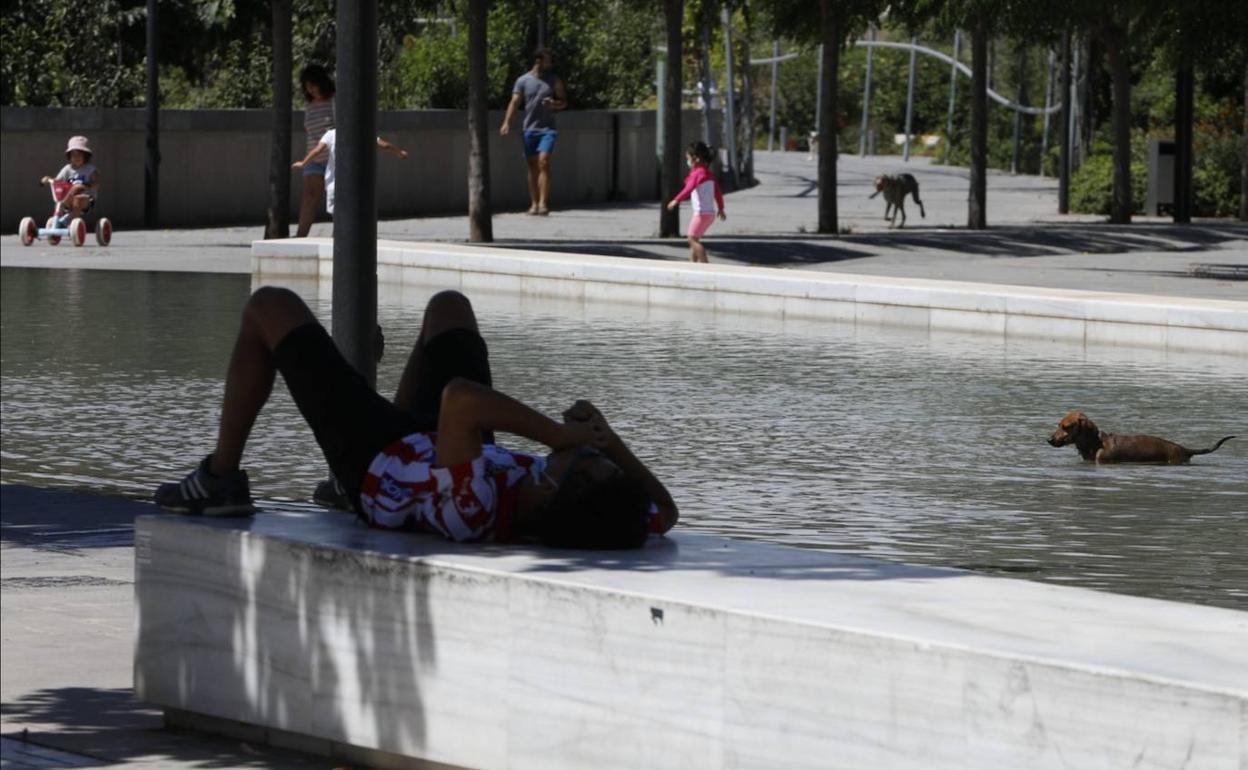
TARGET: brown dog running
(895,188)
(1095,446)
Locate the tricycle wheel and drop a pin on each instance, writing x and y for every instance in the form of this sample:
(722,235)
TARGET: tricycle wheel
(27,230)
(78,231)
(103,231)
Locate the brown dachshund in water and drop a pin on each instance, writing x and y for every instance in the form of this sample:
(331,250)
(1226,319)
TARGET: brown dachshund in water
(1095,446)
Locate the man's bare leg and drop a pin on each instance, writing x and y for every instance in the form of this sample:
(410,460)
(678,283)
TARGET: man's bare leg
(446,310)
(543,182)
(268,317)
(534,188)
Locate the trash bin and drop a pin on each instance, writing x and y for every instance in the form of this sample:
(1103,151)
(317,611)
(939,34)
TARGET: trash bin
(1160,177)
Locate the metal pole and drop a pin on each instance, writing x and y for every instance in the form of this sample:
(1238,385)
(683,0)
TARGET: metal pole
(819,92)
(1048,102)
(151,164)
(905,154)
(542,22)
(953,91)
(866,100)
(775,69)
(355,199)
(1075,109)
(729,93)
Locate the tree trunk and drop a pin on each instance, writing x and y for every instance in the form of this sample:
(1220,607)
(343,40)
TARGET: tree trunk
(1114,37)
(669,180)
(830,65)
(1243,158)
(977,197)
(480,215)
(279,144)
(1063,172)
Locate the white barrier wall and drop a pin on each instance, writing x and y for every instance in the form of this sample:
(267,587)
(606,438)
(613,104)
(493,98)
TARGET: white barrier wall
(1172,323)
(215,163)
(694,652)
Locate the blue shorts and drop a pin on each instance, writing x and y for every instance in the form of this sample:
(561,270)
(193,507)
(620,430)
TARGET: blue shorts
(314,169)
(536,142)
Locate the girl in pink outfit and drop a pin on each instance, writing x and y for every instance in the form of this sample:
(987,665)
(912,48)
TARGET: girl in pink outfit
(700,185)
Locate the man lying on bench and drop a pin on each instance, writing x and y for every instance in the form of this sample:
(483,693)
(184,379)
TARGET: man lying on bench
(398,473)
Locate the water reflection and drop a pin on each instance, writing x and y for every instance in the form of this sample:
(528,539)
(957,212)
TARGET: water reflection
(895,444)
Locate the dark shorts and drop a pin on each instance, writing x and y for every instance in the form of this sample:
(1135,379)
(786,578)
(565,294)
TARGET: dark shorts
(350,420)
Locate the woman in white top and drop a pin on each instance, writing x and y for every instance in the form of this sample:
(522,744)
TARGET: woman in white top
(318,117)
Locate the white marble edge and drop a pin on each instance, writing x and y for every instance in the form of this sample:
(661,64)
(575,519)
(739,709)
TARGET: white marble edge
(1236,622)
(278,258)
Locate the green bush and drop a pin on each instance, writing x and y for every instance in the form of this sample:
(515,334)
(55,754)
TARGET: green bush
(1092,186)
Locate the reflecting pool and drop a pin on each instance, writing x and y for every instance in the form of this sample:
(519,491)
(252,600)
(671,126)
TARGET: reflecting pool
(892,443)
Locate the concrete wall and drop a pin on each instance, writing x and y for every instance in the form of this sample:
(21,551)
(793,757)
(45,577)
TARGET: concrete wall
(215,164)
(693,652)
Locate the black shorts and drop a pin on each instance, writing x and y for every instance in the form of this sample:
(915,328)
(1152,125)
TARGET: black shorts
(351,421)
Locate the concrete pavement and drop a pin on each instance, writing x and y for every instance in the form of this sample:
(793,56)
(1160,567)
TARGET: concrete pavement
(772,224)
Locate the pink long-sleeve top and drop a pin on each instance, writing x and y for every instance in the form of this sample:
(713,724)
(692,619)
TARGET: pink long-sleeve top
(702,186)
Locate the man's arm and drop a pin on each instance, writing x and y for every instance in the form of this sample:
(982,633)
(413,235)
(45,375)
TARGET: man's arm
(583,412)
(319,148)
(469,408)
(560,102)
(511,113)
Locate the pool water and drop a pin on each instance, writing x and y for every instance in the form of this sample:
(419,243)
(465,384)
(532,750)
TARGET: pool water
(895,444)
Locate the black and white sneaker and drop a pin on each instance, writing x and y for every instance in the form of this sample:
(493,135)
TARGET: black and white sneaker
(330,494)
(203,494)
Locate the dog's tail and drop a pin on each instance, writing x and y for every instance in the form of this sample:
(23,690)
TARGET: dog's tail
(1213,448)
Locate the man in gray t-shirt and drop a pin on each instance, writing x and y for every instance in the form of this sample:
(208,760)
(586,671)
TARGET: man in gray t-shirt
(541,93)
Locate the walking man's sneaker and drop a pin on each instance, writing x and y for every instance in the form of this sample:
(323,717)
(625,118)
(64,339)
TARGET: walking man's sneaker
(203,494)
(330,494)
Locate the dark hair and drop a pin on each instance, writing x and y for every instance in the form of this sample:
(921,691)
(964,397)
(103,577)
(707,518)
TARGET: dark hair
(609,514)
(700,151)
(541,51)
(319,76)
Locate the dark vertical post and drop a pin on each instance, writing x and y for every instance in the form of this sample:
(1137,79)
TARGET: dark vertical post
(704,85)
(730,103)
(1063,171)
(1019,102)
(829,61)
(669,221)
(543,22)
(1243,158)
(355,199)
(279,143)
(151,164)
(977,199)
(480,210)
(1183,96)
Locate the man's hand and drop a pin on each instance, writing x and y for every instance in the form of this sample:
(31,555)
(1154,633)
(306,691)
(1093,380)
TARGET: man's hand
(590,433)
(583,412)
(296,165)
(672,206)
(722,216)
(504,129)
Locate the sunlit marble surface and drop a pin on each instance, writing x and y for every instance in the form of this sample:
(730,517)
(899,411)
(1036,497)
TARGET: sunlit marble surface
(696,651)
(1177,323)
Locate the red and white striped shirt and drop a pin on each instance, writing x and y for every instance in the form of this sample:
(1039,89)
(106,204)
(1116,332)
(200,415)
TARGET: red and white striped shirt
(475,500)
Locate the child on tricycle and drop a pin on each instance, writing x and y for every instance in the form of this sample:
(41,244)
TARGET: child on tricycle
(73,192)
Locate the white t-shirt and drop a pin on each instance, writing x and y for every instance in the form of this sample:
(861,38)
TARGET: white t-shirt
(328,139)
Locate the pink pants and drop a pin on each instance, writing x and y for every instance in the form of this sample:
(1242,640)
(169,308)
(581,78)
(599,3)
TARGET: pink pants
(699,224)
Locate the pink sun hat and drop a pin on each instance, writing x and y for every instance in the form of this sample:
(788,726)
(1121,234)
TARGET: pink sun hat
(78,143)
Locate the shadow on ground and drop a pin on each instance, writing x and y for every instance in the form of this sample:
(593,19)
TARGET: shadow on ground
(110,724)
(1014,242)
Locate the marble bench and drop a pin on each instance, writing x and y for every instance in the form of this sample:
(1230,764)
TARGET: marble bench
(695,652)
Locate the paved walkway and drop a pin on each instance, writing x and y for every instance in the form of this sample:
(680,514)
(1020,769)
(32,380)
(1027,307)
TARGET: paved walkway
(771,224)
